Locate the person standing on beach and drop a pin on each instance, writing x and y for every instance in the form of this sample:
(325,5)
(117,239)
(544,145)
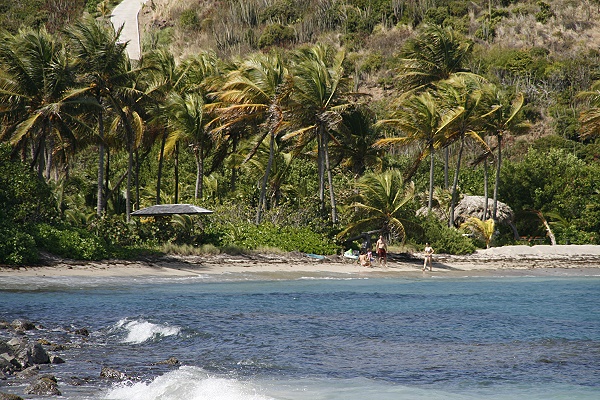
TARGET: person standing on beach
(428,251)
(382,250)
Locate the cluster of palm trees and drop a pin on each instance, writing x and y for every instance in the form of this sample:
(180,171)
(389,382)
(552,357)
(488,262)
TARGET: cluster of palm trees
(59,95)
(444,104)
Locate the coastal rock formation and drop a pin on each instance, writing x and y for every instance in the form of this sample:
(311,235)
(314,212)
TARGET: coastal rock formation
(46,385)
(8,396)
(22,325)
(111,373)
(474,206)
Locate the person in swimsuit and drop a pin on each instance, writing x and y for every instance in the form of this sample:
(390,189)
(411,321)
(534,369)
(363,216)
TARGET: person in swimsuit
(428,252)
(382,250)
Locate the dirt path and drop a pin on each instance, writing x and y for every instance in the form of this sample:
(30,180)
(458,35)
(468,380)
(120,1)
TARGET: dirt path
(126,15)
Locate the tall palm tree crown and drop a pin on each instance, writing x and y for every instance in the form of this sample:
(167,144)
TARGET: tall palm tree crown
(319,93)
(380,202)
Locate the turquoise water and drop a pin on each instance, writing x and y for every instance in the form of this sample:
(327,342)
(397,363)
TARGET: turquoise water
(461,338)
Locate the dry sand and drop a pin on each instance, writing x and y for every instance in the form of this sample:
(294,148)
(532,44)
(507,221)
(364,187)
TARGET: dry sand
(505,261)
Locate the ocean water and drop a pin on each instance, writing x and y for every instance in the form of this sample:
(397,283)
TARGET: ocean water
(316,338)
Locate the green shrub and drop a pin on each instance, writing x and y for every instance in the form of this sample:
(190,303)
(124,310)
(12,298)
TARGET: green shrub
(286,238)
(16,246)
(24,198)
(189,20)
(70,243)
(115,231)
(276,35)
(444,239)
(545,12)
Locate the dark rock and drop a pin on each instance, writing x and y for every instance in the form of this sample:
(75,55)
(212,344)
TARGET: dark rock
(22,325)
(169,361)
(5,347)
(56,360)
(33,354)
(9,364)
(111,373)
(7,396)
(28,372)
(82,332)
(16,343)
(44,386)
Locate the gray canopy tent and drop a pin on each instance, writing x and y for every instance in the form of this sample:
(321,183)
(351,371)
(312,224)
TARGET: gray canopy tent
(170,209)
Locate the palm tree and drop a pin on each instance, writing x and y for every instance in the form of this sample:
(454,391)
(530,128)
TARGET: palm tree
(482,229)
(319,93)
(188,120)
(257,92)
(418,118)
(354,148)
(36,78)
(590,117)
(163,76)
(380,203)
(104,69)
(466,98)
(434,55)
(506,117)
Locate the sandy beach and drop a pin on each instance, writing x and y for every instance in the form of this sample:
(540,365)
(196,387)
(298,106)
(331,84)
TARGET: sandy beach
(508,260)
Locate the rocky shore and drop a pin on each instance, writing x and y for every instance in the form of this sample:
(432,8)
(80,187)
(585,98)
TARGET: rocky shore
(24,358)
(28,357)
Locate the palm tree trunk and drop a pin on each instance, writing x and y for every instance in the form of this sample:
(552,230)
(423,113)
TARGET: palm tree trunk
(234,170)
(455,182)
(485,190)
(446,162)
(430,200)
(49,152)
(329,179)
(129,173)
(176,173)
(100,189)
(137,180)
(321,168)
(161,159)
(497,183)
(263,189)
(198,172)
(106,178)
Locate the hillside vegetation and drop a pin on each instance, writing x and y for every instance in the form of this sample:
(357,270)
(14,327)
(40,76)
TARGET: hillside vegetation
(301,123)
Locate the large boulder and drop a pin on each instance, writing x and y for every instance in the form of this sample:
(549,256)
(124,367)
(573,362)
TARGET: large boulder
(44,386)
(33,354)
(22,325)
(111,373)
(473,206)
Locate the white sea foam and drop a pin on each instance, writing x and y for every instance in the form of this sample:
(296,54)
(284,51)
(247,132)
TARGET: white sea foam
(189,383)
(139,331)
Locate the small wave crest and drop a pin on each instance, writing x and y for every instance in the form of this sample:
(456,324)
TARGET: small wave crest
(190,383)
(139,331)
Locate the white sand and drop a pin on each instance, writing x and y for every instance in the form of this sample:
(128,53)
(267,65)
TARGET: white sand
(508,260)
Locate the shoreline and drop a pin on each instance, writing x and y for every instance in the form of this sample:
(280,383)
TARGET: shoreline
(540,260)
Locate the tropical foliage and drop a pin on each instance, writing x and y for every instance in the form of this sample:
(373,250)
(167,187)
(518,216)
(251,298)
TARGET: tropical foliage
(294,144)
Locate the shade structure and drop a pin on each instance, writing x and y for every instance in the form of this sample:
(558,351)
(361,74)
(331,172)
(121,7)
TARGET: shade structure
(170,209)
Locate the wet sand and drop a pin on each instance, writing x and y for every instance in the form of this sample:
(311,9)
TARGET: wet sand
(539,260)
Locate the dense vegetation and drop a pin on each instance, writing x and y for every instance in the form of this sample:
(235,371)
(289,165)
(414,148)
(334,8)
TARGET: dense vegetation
(300,123)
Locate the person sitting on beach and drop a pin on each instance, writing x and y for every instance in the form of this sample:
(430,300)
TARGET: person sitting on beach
(382,250)
(364,259)
(428,252)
